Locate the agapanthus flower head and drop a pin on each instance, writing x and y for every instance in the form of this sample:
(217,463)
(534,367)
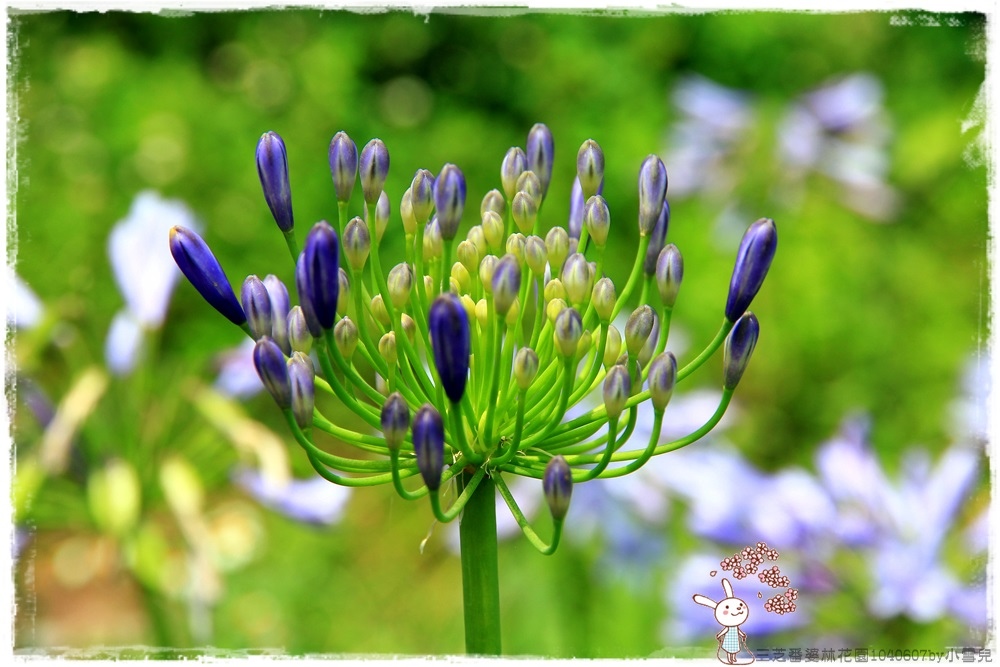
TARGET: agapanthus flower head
(373,169)
(272,167)
(203,270)
(343,165)
(449,329)
(752,263)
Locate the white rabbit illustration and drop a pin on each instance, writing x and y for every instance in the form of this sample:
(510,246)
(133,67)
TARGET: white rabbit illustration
(730,612)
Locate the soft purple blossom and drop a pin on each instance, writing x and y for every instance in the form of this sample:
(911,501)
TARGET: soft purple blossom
(237,374)
(313,500)
(24,308)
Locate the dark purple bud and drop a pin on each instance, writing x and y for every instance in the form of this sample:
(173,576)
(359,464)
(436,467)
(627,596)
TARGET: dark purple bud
(256,306)
(322,269)
(449,328)
(540,150)
(422,195)
(739,346)
(203,270)
(590,168)
(301,380)
(557,484)
(657,239)
(272,167)
(373,169)
(652,191)
(514,164)
(428,445)
(449,200)
(305,298)
(662,378)
(343,165)
(395,420)
(273,371)
(280,305)
(752,262)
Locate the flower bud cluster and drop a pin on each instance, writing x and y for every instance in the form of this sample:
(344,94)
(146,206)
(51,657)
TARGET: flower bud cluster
(469,354)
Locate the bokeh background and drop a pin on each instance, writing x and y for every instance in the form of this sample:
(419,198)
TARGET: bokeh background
(857,443)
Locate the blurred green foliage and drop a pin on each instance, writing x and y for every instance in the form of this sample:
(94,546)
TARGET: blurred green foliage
(855,315)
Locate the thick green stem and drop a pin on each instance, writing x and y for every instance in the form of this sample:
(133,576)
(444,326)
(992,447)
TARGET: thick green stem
(480,579)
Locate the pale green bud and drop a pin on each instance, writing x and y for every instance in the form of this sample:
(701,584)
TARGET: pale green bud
(493,201)
(478,239)
(597,217)
(669,273)
(506,283)
(553,308)
(662,378)
(468,255)
(577,278)
(379,312)
(567,331)
(638,328)
(604,298)
(529,182)
(433,243)
(535,255)
(493,230)
(513,165)
(357,243)
(422,196)
(344,293)
(181,486)
(345,334)
(406,213)
(469,305)
(583,347)
(617,389)
(482,313)
(525,367)
(299,338)
(387,348)
(430,286)
(557,244)
(409,327)
(381,214)
(524,210)
(554,289)
(613,348)
(461,276)
(512,313)
(486,269)
(400,282)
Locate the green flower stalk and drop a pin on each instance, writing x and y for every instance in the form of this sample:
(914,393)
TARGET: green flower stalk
(487,339)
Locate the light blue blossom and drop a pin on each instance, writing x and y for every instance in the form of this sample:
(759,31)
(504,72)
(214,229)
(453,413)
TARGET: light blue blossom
(312,500)
(24,308)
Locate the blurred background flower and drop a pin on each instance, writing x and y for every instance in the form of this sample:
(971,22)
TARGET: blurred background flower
(867,330)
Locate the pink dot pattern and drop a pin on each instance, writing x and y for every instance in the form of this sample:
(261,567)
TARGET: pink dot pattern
(750,560)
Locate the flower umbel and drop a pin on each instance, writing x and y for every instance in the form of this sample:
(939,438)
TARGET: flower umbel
(490,352)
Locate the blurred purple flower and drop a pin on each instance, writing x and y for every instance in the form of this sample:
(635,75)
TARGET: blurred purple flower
(145,272)
(237,374)
(312,500)
(24,308)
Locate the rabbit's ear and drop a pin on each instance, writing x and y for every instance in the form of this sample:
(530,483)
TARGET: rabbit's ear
(705,602)
(726,586)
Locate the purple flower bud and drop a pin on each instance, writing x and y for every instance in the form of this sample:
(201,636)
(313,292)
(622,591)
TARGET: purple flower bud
(662,378)
(449,200)
(617,389)
(428,445)
(395,420)
(669,274)
(301,380)
(652,191)
(299,337)
(567,331)
(506,283)
(256,306)
(449,328)
(514,164)
(540,150)
(322,268)
(590,168)
(422,195)
(657,239)
(597,217)
(557,484)
(273,371)
(373,169)
(752,262)
(280,305)
(739,346)
(305,299)
(204,272)
(343,165)
(382,212)
(272,167)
